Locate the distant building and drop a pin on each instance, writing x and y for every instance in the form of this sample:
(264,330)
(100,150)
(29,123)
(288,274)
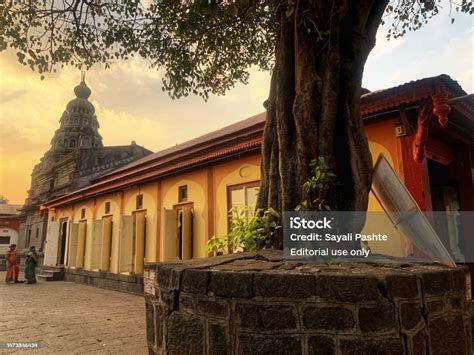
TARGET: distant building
(9,228)
(76,157)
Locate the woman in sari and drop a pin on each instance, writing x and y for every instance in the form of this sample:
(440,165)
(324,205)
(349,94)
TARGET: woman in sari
(30,265)
(13,269)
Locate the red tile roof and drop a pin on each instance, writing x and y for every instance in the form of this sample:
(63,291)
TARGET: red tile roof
(411,92)
(223,133)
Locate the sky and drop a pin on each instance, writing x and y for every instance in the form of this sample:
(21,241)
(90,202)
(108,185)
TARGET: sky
(131,106)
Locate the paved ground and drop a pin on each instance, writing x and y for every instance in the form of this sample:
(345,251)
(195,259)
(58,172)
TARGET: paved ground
(68,318)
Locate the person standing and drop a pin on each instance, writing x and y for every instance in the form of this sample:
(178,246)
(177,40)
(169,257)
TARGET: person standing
(13,269)
(30,266)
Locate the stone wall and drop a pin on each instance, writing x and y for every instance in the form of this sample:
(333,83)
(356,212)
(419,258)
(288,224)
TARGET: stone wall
(123,283)
(257,304)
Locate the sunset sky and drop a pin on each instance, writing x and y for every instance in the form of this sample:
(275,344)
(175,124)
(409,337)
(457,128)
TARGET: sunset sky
(130,104)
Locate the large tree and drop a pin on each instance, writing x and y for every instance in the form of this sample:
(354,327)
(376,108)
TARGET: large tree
(316,51)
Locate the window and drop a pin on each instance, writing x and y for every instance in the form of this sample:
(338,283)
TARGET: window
(72,143)
(107,207)
(4,240)
(37,232)
(183,193)
(83,213)
(243,196)
(139,202)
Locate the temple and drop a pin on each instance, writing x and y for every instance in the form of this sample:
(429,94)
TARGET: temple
(76,156)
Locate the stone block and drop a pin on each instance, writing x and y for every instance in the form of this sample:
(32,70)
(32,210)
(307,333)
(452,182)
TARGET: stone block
(248,265)
(206,263)
(111,284)
(96,282)
(434,306)
(195,281)
(270,254)
(327,318)
(417,343)
(210,307)
(380,317)
(284,285)
(170,300)
(218,339)
(131,287)
(458,276)
(159,325)
(186,334)
(168,276)
(186,304)
(402,286)
(468,329)
(367,346)
(436,282)
(270,344)
(231,284)
(265,317)
(410,315)
(150,324)
(457,302)
(347,288)
(447,332)
(320,344)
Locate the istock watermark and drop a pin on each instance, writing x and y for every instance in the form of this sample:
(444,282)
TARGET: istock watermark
(338,236)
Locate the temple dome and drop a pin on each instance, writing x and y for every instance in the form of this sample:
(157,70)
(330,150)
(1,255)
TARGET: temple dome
(80,103)
(82,91)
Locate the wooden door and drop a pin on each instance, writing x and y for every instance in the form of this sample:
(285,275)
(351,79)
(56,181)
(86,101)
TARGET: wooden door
(72,245)
(126,244)
(169,235)
(51,249)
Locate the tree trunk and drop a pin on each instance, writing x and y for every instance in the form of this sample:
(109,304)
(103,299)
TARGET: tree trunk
(313,109)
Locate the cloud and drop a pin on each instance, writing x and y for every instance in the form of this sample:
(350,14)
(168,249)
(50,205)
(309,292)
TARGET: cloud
(6,97)
(15,141)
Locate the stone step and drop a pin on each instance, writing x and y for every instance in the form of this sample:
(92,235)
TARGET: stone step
(53,268)
(49,271)
(53,274)
(45,277)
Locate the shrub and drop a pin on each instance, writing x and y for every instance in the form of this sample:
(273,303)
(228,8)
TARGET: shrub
(249,231)
(315,189)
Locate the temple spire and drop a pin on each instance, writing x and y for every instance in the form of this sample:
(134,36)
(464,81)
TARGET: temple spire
(78,125)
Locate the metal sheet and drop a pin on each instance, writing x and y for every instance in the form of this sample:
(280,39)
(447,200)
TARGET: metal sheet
(405,214)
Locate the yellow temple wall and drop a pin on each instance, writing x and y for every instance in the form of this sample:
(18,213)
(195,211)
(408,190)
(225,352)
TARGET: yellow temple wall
(208,193)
